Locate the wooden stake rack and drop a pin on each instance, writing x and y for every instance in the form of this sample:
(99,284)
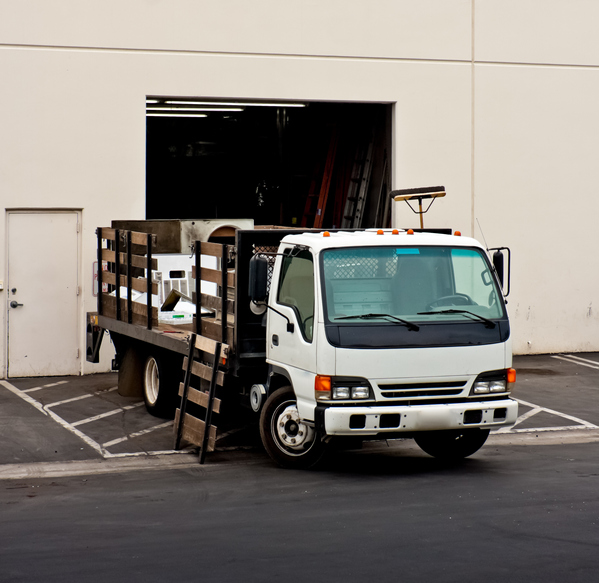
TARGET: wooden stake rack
(189,427)
(219,324)
(130,264)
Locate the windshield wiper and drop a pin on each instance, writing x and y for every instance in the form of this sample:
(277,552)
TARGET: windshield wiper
(410,325)
(488,323)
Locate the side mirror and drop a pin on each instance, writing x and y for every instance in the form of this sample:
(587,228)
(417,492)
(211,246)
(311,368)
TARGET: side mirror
(500,270)
(498,264)
(258,279)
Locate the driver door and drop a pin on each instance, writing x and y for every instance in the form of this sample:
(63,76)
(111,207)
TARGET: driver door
(294,298)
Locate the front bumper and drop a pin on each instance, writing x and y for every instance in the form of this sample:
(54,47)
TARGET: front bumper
(376,420)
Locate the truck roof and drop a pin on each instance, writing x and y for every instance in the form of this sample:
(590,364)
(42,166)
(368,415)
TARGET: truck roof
(377,238)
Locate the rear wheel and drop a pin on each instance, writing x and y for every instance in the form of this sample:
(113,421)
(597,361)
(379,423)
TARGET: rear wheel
(160,381)
(289,441)
(453,444)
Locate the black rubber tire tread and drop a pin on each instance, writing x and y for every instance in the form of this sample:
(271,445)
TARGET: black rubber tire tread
(169,375)
(452,444)
(304,460)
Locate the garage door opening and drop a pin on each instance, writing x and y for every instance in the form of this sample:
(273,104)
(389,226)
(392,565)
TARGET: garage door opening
(310,164)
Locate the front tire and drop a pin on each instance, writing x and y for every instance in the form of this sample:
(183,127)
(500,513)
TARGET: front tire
(452,444)
(290,442)
(160,381)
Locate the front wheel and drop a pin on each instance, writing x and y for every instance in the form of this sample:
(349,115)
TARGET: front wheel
(452,444)
(289,441)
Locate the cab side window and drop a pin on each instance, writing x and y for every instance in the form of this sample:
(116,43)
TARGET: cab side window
(296,289)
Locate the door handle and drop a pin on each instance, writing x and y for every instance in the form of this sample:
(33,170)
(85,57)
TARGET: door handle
(275,339)
(14,304)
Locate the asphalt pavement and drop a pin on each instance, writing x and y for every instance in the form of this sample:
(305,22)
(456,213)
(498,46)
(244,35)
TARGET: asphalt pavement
(90,491)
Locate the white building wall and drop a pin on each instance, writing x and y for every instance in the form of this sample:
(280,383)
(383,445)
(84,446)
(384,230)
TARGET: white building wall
(494,99)
(536,177)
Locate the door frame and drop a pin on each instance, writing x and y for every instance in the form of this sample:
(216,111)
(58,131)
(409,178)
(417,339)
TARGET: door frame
(78,212)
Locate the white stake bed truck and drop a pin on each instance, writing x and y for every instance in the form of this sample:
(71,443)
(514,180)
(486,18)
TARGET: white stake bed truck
(329,335)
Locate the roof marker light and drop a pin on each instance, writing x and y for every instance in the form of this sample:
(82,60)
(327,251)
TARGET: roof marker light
(326,234)
(410,232)
(395,232)
(458,233)
(380,232)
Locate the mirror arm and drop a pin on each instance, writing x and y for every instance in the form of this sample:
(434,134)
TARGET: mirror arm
(290,326)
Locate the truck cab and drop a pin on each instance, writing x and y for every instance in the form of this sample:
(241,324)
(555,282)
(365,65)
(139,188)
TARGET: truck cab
(384,334)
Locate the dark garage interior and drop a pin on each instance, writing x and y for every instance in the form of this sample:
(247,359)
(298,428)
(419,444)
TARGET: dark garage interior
(311,164)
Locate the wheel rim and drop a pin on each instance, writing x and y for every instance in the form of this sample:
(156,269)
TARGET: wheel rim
(289,433)
(151,381)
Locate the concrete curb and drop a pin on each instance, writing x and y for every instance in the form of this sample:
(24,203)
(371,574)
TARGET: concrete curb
(96,466)
(190,460)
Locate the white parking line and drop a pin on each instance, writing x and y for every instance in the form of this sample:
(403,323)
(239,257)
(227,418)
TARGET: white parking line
(107,414)
(79,398)
(71,400)
(581,423)
(583,359)
(45,387)
(137,434)
(577,360)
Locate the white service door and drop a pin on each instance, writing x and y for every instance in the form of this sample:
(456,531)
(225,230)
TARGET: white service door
(43,332)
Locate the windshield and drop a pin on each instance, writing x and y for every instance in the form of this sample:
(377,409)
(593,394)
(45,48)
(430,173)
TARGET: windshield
(414,284)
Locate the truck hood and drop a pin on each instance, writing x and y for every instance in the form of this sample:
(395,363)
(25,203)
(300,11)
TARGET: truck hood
(411,363)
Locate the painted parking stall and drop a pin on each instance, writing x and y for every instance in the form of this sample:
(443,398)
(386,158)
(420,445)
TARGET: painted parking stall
(112,425)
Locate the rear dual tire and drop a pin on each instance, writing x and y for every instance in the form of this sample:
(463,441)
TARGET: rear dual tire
(160,382)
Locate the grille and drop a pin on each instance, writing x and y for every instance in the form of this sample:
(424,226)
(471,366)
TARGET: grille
(413,390)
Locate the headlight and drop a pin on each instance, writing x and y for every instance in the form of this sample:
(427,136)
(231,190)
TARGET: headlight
(360,392)
(482,387)
(497,381)
(341,389)
(341,392)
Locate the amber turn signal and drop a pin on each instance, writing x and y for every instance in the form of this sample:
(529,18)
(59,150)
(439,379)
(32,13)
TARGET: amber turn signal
(322,387)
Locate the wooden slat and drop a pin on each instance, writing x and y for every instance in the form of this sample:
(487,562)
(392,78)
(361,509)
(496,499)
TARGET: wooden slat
(200,398)
(213,329)
(136,260)
(216,303)
(138,284)
(209,345)
(214,276)
(140,311)
(136,238)
(194,429)
(108,233)
(205,372)
(141,238)
(213,249)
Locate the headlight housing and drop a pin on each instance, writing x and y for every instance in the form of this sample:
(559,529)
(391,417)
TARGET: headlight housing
(492,382)
(341,389)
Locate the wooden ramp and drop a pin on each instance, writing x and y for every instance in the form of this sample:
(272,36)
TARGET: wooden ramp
(201,364)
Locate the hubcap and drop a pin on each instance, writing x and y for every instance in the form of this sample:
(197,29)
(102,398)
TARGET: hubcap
(291,435)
